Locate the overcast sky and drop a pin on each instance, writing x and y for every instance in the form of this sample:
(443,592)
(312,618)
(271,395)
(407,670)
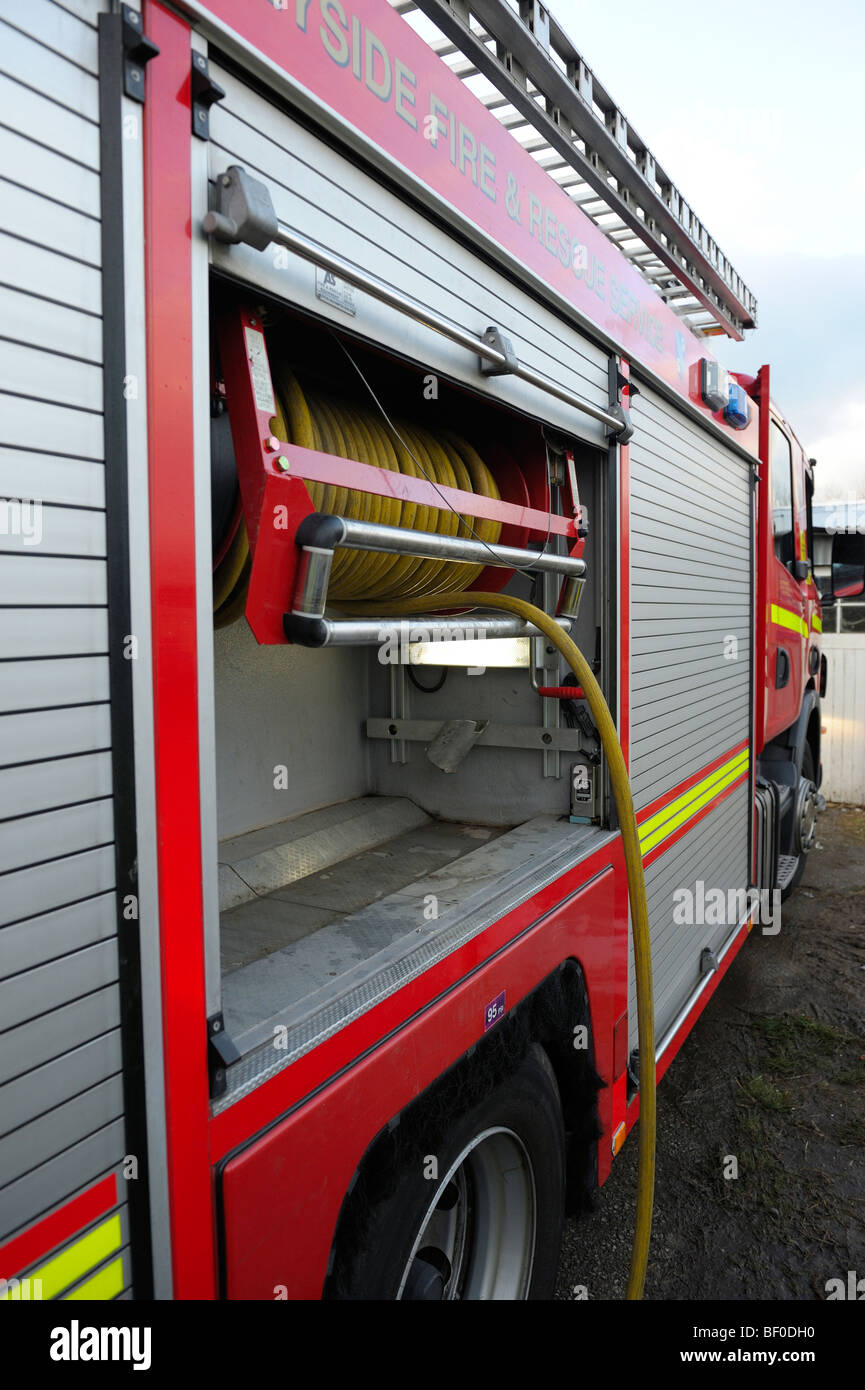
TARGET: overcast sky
(754,110)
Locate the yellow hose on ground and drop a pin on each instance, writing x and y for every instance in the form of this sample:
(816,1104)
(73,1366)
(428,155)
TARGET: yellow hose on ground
(636,884)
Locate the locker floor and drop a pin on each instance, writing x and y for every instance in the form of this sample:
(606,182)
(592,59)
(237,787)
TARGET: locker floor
(325,913)
(286,915)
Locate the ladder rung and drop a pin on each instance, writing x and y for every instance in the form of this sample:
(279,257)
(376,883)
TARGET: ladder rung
(546,71)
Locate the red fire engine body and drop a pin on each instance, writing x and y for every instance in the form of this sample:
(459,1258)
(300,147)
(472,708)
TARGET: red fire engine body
(335,1110)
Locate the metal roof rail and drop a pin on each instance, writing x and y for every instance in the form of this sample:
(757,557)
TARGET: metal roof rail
(516,58)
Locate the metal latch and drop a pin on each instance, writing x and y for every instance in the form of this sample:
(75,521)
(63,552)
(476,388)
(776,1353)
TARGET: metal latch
(494,338)
(708,962)
(626,433)
(244,211)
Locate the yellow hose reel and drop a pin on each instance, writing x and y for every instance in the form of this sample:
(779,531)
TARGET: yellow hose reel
(352,432)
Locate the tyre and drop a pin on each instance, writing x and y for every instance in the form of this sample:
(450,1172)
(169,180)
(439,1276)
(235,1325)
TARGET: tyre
(809,773)
(474,1206)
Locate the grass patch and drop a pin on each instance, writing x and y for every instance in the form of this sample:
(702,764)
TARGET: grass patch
(795,1044)
(799,1065)
(762,1092)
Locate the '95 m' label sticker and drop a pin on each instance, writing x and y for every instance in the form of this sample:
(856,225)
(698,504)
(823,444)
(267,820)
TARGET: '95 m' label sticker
(494,1011)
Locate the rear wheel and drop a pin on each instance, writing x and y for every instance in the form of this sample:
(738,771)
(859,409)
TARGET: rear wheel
(477,1212)
(805,820)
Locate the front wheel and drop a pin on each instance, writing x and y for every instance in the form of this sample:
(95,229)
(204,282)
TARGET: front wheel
(475,1211)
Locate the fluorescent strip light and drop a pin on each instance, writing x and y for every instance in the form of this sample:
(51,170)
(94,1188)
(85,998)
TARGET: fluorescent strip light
(475,652)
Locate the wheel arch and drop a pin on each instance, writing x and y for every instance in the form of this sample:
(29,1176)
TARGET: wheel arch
(548,1017)
(813,735)
(789,745)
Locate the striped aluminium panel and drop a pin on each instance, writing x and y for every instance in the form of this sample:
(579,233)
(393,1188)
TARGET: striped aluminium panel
(327,197)
(690,658)
(63,1212)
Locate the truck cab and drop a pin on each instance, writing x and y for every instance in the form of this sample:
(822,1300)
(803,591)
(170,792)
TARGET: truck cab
(788,634)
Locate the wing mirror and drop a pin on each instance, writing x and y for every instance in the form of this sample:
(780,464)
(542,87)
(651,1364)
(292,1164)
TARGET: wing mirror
(848,564)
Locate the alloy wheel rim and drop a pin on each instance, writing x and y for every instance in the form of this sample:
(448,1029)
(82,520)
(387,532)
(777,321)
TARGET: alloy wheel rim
(477,1238)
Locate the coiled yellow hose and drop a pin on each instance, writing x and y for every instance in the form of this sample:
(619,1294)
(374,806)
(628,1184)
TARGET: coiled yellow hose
(351,432)
(397,585)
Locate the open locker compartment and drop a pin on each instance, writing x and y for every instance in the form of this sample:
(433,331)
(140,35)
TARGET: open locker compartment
(348,860)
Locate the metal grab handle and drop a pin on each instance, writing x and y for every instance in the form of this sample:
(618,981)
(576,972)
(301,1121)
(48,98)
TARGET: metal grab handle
(321,531)
(245,213)
(370,632)
(319,534)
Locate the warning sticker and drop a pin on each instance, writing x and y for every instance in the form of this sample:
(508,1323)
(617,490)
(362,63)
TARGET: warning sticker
(333,291)
(261,383)
(581,782)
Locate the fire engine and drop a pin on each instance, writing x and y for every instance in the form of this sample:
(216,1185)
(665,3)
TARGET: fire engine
(401,606)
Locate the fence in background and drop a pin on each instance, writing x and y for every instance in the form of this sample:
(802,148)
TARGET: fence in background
(844,717)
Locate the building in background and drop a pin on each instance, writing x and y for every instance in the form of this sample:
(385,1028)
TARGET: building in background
(844,614)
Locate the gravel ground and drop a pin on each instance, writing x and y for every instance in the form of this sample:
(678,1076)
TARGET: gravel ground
(774,1075)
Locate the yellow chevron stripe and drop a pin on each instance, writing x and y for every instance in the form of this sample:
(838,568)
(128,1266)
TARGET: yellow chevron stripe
(785,618)
(816,623)
(669,818)
(692,809)
(104,1285)
(75,1261)
(657,820)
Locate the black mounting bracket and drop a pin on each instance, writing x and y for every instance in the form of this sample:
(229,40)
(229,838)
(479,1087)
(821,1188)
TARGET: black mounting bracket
(616,382)
(633,1072)
(138,49)
(622,381)
(205,92)
(221,1052)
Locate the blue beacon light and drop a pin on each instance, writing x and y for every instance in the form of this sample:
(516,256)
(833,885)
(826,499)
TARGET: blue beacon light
(737,411)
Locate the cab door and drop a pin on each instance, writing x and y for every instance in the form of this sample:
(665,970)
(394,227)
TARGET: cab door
(786,625)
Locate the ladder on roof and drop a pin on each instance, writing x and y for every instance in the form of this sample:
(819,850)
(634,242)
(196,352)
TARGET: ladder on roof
(515,57)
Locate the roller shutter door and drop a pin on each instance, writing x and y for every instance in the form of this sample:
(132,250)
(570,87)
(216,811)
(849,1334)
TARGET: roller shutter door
(325,196)
(62,1133)
(690,686)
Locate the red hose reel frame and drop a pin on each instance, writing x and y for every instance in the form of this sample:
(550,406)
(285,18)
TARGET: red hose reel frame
(274,497)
